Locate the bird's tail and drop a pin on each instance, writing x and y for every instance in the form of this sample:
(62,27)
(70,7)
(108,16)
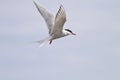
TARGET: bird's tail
(43,42)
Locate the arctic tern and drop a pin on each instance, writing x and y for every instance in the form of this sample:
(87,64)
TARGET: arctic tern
(54,23)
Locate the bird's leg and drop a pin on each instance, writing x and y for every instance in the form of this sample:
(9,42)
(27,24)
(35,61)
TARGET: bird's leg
(50,41)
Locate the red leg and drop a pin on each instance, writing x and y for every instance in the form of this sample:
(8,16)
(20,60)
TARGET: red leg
(50,41)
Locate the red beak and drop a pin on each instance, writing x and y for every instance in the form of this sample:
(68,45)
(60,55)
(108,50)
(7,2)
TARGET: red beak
(73,34)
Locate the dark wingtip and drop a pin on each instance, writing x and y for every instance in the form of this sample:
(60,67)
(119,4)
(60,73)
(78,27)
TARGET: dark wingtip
(61,6)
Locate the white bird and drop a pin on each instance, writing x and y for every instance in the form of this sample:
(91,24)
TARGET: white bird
(54,23)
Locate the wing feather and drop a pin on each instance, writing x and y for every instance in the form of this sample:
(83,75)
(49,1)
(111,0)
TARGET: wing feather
(47,15)
(60,20)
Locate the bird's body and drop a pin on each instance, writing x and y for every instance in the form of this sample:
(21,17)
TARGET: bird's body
(54,23)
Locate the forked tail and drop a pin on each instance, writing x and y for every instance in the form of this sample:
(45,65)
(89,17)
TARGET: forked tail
(44,41)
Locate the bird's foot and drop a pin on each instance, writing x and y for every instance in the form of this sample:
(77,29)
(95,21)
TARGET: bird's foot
(50,41)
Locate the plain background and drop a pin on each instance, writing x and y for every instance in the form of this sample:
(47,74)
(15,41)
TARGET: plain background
(93,54)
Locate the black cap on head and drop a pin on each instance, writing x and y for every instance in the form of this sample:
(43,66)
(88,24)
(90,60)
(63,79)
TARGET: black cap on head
(68,30)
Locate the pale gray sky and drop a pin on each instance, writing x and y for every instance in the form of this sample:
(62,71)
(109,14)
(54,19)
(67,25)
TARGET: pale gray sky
(94,54)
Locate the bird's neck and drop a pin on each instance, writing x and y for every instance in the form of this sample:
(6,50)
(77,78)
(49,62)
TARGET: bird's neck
(65,32)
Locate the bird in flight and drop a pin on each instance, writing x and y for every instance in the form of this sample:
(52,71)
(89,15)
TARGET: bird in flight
(54,23)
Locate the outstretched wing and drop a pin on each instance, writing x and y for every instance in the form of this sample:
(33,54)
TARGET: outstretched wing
(48,17)
(60,19)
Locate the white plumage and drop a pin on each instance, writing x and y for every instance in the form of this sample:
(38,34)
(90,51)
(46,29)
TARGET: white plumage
(54,23)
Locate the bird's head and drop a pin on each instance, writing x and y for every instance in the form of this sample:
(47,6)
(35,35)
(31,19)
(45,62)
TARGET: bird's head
(69,32)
